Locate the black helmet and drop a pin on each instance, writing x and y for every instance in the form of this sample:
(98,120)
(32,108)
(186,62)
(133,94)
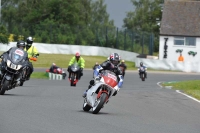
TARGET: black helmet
(141,64)
(21,44)
(115,59)
(29,41)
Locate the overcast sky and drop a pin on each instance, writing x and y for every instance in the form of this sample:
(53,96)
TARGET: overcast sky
(117,10)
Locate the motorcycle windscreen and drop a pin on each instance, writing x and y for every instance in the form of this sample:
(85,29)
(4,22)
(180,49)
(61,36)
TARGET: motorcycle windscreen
(16,55)
(110,79)
(75,67)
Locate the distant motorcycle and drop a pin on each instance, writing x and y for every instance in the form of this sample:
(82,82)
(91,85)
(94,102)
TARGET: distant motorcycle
(12,64)
(100,93)
(74,74)
(142,71)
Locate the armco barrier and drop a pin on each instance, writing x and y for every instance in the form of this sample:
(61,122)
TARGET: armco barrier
(169,65)
(72,49)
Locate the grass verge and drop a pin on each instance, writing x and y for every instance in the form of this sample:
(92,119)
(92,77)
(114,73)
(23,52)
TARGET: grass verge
(39,75)
(62,60)
(191,87)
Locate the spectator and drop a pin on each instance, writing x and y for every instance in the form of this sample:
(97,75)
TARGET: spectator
(181,58)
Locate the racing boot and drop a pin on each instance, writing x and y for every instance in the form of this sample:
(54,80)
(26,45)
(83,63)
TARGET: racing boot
(91,84)
(85,94)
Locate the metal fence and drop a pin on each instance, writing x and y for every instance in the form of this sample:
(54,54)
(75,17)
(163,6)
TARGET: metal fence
(123,39)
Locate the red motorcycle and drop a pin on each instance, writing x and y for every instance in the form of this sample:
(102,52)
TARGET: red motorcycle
(74,74)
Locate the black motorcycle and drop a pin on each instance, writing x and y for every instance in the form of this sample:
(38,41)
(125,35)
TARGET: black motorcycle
(142,72)
(74,74)
(11,70)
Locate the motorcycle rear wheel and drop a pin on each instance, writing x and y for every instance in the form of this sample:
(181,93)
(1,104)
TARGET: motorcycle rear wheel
(100,103)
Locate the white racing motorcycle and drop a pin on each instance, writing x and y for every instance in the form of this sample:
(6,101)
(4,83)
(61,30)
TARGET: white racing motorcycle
(101,92)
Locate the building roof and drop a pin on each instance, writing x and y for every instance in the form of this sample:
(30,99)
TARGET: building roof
(181,18)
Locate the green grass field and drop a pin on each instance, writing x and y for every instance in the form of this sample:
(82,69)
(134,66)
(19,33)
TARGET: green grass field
(62,60)
(191,87)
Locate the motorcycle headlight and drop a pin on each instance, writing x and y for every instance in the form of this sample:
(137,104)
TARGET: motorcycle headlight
(13,66)
(8,63)
(19,66)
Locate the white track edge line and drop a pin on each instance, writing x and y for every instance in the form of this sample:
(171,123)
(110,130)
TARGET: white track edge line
(178,91)
(188,96)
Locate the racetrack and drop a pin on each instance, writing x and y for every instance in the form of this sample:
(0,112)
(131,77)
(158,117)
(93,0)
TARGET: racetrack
(49,106)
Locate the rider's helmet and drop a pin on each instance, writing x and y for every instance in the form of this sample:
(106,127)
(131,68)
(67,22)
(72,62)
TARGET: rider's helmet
(123,61)
(141,64)
(21,44)
(77,55)
(115,59)
(29,41)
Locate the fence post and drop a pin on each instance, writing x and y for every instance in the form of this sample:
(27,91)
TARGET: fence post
(106,37)
(97,37)
(124,39)
(151,44)
(152,40)
(142,42)
(132,41)
(116,45)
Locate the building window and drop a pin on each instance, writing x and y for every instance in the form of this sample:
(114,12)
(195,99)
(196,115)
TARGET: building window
(185,41)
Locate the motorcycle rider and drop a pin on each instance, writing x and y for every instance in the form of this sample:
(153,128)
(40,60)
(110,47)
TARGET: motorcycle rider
(122,64)
(57,70)
(145,69)
(80,61)
(32,52)
(112,65)
(20,45)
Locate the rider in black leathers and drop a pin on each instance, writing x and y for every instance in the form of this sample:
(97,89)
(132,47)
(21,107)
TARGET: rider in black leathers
(112,65)
(122,64)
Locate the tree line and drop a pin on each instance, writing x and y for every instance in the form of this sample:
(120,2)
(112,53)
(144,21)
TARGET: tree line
(81,22)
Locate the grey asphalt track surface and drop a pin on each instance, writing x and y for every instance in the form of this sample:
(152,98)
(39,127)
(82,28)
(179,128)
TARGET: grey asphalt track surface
(50,106)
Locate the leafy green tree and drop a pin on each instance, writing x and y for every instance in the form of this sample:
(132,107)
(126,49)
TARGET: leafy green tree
(145,17)
(3,35)
(101,24)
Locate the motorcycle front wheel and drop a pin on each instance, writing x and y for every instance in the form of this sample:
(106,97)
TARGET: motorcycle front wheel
(86,107)
(72,80)
(4,87)
(99,103)
(143,77)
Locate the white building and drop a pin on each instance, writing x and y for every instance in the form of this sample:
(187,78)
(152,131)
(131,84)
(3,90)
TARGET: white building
(181,26)
(180,31)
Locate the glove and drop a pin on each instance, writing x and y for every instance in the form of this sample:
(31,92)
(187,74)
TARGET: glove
(116,88)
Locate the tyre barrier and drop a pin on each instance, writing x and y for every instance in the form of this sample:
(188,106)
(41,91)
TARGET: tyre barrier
(53,76)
